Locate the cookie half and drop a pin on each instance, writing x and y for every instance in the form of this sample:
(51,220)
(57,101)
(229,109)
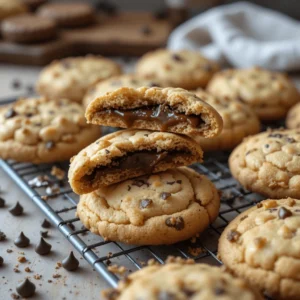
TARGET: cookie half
(239,121)
(161,208)
(270,94)
(71,77)
(293,117)
(184,68)
(41,131)
(128,154)
(161,109)
(269,163)
(182,280)
(262,245)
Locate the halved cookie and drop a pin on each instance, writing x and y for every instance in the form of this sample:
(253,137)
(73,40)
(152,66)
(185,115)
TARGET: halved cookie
(128,154)
(153,108)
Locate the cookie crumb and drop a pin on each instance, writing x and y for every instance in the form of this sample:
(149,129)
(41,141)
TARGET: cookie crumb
(22,259)
(58,173)
(117,269)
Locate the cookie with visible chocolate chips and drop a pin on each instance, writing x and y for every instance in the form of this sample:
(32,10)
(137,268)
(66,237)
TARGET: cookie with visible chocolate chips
(269,163)
(270,94)
(71,77)
(293,117)
(154,108)
(239,121)
(40,131)
(116,82)
(161,208)
(262,245)
(184,68)
(182,280)
(128,154)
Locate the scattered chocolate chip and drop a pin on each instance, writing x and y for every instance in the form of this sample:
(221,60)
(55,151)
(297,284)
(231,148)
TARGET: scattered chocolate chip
(1,261)
(22,241)
(163,295)
(219,291)
(284,213)
(44,234)
(50,145)
(46,224)
(17,210)
(233,236)
(26,288)
(2,202)
(146,30)
(165,195)
(70,263)
(177,57)
(10,113)
(145,203)
(176,222)
(43,247)
(16,84)
(2,236)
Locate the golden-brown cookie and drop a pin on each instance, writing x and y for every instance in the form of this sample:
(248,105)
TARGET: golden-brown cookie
(161,208)
(40,131)
(293,117)
(11,8)
(71,77)
(270,94)
(239,121)
(186,69)
(269,163)
(262,245)
(162,109)
(128,154)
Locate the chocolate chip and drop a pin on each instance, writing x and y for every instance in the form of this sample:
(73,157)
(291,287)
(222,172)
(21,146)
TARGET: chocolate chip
(170,182)
(43,247)
(284,213)
(16,84)
(146,30)
(128,188)
(26,289)
(2,236)
(179,181)
(176,222)
(275,135)
(145,203)
(70,263)
(290,140)
(139,183)
(187,292)
(219,291)
(50,145)
(2,202)
(233,236)
(1,260)
(10,113)
(17,210)
(153,84)
(44,234)
(46,224)
(165,195)
(163,295)
(107,151)
(22,241)
(177,57)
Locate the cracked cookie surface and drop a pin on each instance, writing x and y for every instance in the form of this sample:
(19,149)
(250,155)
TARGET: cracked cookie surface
(239,121)
(161,208)
(154,108)
(71,77)
(269,163)
(39,131)
(178,280)
(262,245)
(270,94)
(128,154)
(186,69)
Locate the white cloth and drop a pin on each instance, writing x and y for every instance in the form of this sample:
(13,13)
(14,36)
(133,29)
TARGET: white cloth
(243,35)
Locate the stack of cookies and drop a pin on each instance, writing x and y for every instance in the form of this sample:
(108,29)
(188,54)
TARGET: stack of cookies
(133,183)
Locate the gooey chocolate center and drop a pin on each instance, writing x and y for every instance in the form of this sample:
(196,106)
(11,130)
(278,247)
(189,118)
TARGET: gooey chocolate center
(161,114)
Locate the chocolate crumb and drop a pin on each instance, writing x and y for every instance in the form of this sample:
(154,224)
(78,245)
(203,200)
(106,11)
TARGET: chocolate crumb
(17,210)
(46,224)
(56,275)
(284,213)
(2,236)
(145,203)
(9,251)
(176,222)
(233,236)
(1,261)
(22,241)
(2,202)
(165,195)
(26,288)
(22,259)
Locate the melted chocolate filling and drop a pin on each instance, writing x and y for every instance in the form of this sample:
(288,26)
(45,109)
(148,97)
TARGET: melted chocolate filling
(163,114)
(145,160)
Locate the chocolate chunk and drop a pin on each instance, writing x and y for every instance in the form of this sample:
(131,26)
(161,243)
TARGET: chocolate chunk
(177,57)
(233,236)
(176,222)
(50,145)
(219,291)
(10,113)
(146,30)
(2,202)
(16,84)
(139,183)
(1,261)
(17,210)
(43,247)
(44,234)
(2,236)
(70,263)
(275,135)
(26,289)
(145,203)
(163,295)
(284,213)
(46,224)
(170,182)
(22,241)
(165,195)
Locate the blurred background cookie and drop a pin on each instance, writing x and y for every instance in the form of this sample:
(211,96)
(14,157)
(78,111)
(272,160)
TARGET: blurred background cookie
(32,5)
(293,117)
(10,8)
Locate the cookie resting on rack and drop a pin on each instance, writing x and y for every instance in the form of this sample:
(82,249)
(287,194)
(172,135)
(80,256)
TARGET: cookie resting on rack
(154,108)
(41,131)
(269,163)
(270,94)
(262,245)
(239,121)
(128,154)
(162,208)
